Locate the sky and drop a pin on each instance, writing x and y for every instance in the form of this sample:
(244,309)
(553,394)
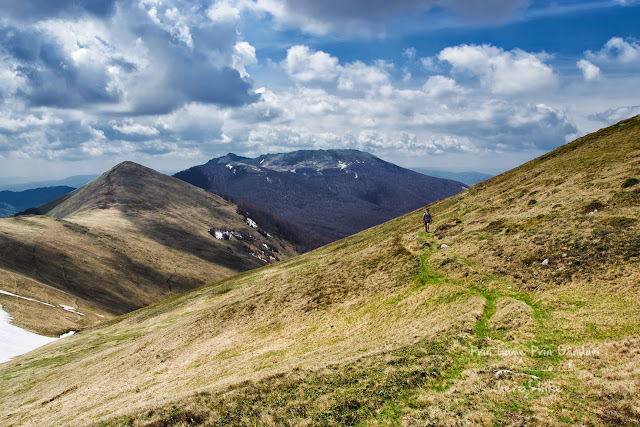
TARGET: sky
(454,85)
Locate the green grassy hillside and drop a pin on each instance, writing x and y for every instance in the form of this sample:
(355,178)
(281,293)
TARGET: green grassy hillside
(520,308)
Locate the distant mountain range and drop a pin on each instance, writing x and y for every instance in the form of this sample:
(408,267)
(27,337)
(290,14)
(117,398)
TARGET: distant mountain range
(12,202)
(469,178)
(334,192)
(21,184)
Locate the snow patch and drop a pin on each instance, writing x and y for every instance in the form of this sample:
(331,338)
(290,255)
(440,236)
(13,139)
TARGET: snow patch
(25,298)
(262,161)
(219,235)
(70,309)
(68,334)
(356,175)
(229,166)
(342,165)
(100,315)
(16,341)
(443,246)
(292,171)
(258,257)
(252,223)
(545,262)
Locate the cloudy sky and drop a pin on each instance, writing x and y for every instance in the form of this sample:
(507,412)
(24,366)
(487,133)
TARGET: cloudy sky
(445,84)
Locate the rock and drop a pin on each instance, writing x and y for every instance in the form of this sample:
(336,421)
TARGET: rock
(444,245)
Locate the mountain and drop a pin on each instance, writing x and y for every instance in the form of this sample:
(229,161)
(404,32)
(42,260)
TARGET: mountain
(12,202)
(468,178)
(128,239)
(334,192)
(75,181)
(521,308)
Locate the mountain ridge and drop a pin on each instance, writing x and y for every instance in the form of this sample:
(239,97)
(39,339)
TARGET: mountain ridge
(17,201)
(127,239)
(334,192)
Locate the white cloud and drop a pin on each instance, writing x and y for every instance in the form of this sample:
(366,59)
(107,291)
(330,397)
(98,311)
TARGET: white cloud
(359,77)
(303,65)
(136,129)
(617,50)
(589,71)
(502,72)
(616,114)
(243,55)
(437,86)
(223,12)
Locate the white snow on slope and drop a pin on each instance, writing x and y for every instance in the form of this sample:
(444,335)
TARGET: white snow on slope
(342,165)
(70,309)
(25,298)
(252,223)
(15,341)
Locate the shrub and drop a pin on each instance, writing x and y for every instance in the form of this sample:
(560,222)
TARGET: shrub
(594,205)
(630,182)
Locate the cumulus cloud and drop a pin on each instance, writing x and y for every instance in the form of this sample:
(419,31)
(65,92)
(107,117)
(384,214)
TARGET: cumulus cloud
(360,106)
(589,71)
(142,57)
(359,77)
(617,50)
(438,86)
(83,79)
(503,72)
(243,55)
(305,66)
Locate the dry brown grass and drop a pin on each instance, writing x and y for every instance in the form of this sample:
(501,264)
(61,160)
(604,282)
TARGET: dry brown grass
(119,244)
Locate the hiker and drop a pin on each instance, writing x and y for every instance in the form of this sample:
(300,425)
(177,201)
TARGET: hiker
(427,220)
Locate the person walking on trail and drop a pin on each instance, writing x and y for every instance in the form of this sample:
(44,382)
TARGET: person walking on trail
(426,218)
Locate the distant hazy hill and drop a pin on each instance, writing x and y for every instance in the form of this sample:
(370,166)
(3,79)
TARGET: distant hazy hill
(12,202)
(469,178)
(128,239)
(522,308)
(75,181)
(334,192)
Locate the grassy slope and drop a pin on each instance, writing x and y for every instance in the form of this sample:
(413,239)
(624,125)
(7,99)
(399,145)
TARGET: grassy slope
(126,240)
(389,327)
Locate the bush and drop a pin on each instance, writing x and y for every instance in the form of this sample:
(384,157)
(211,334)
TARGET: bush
(630,182)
